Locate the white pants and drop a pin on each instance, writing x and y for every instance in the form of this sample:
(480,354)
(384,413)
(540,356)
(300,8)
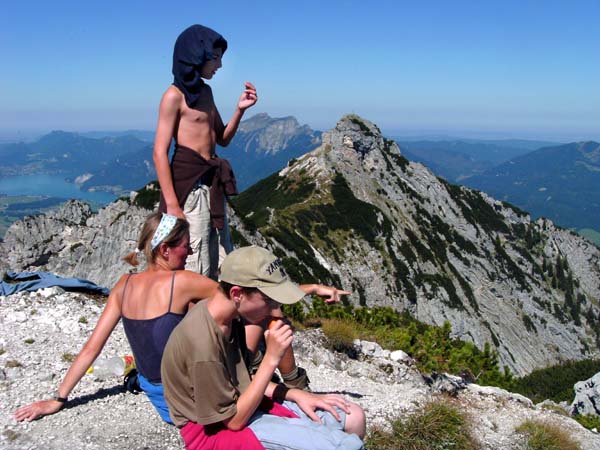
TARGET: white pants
(209,244)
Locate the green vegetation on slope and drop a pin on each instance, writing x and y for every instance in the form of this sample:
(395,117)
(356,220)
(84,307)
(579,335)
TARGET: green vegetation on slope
(590,234)
(432,347)
(556,382)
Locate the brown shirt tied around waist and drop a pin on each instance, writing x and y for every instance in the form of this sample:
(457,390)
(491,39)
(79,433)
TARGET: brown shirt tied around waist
(188,168)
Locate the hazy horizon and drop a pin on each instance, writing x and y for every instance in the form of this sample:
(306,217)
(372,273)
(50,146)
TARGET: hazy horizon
(515,69)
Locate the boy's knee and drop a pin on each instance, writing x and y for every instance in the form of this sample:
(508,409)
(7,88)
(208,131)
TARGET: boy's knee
(356,421)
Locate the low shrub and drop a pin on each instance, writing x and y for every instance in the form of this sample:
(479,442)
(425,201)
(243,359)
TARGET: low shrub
(545,436)
(589,421)
(432,347)
(439,425)
(340,334)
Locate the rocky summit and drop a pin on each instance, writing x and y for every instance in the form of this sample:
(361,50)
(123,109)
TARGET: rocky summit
(356,213)
(42,331)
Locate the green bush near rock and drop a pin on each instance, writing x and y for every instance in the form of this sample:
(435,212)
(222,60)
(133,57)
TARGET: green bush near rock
(440,424)
(545,436)
(589,421)
(340,334)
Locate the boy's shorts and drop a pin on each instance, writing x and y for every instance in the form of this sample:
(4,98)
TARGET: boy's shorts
(208,244)
(276,433)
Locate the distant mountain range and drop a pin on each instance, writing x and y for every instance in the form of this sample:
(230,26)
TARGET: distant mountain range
(458,159)
(119,162)
(556,181)
(561,183)
(63,153)
(122,161)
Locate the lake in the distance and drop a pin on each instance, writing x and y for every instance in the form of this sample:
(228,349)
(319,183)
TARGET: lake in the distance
(50,186)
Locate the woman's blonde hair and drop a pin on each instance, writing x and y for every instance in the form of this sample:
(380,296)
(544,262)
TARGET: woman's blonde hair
(173,239)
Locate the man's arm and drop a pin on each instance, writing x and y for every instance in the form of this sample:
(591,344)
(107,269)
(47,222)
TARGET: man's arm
(225,133)
(168,115)
(331,293)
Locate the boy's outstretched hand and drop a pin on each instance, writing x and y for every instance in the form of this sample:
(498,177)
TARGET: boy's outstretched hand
(248,97)
(330,294)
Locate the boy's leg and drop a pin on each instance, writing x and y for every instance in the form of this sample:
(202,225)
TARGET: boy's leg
(203,238)
(303,434)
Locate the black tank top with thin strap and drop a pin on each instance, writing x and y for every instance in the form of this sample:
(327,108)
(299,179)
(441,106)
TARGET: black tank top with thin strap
(148,337)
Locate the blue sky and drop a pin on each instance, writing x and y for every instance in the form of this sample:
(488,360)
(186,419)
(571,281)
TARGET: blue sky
(470,68)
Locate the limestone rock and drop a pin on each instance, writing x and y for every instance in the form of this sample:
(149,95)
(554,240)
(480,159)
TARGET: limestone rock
(587,396)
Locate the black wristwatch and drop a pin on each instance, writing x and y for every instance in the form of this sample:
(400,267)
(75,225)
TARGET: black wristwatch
(56,396)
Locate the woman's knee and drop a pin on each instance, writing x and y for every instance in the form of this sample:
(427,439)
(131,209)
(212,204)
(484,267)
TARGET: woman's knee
(356,421)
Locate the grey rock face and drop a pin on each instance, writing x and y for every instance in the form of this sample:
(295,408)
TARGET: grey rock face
(587,396)
(275,134)
(71,241)
(443,252)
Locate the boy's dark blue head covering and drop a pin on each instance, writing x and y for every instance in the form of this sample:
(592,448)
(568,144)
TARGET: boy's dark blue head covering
(192,48)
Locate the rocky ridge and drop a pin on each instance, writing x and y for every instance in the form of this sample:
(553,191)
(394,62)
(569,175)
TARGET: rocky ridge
(357,213)
(41,331)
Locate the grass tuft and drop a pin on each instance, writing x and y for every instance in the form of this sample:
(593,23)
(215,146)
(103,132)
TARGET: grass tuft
(340,334)
(439,425)
(545,436)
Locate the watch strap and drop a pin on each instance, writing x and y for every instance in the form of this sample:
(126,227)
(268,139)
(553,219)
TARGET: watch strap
(56,396)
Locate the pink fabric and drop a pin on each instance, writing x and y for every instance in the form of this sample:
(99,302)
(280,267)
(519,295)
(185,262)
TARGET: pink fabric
(219,437)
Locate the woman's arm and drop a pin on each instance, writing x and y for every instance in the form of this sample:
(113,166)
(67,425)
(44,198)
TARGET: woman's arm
(90,351)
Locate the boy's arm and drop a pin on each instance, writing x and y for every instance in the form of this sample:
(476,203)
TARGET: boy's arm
(278,339)
(168,115)
(225,133)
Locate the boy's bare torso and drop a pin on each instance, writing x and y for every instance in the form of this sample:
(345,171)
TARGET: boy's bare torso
(197,128)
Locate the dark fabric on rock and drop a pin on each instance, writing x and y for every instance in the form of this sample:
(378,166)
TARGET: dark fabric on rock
(32,281)
(194,46)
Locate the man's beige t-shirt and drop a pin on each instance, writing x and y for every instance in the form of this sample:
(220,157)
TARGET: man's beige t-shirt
(203,372)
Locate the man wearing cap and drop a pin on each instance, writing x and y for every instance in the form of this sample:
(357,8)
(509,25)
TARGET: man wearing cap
(211,396)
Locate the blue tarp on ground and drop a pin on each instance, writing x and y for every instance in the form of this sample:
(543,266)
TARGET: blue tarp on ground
(32,281)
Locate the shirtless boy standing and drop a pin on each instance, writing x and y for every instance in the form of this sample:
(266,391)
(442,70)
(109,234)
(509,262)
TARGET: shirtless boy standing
(196,182)
(193,186)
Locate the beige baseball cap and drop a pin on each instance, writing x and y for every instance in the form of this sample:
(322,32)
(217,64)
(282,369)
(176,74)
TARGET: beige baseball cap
(257,267)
